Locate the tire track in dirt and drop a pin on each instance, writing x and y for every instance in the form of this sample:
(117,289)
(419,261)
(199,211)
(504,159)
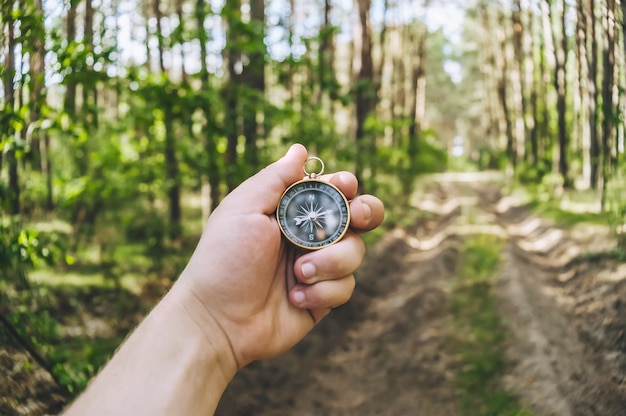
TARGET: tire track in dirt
(565,317)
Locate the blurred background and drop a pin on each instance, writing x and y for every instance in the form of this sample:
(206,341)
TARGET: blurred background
(123,123)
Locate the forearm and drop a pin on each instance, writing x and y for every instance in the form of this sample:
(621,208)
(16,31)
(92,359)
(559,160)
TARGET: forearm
(169,365)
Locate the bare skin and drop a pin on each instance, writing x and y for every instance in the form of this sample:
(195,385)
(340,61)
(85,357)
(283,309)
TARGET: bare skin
(245,295)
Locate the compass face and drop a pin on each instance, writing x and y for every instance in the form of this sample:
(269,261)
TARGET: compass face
(313,214)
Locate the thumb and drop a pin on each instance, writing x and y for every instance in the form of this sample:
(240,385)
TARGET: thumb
(261,192)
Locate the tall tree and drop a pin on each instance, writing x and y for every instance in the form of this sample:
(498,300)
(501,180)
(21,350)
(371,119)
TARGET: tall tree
(398,77)
(180,35)
(518,84)
(234,61)
(594,94)
(70,80)
(40,143)
(90,86)
(503,64)
(212,174)
(582,66)
(609,91)
(556,13)
(9,107)
(489,55)
(623,25)
(253,82)
(172,169)
(365,89)
(326,56)
(418,88)
(533,88)
(548,65)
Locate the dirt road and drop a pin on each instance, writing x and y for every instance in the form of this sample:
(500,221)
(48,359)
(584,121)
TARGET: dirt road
(387,352)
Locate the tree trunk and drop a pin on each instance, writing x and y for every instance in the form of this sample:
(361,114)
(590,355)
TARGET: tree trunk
(232,11)
(41,140)
(253,80)
(382,40)
(181,28)
(609,87)
(594,95)
(90,88)
(418,87)
(490,119)
(172,178)
(531,81)
(212,167)
(398,91)
(325,56)
(9,105)
(548,66)
(69,103)
(158,16)
(518,81)
(36,86)
(503,80)
(560,85)
(172,173)
(582,64)
(365,90)
(623,25)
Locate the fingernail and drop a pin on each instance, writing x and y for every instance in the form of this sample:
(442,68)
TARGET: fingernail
(367,211)
(299,297)
(308,270)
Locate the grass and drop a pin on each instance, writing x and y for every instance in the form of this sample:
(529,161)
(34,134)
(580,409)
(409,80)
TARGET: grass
(565,207)
(616,254)
(479,333)
(565,218)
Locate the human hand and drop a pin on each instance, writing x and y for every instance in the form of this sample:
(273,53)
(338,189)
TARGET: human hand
(246,284)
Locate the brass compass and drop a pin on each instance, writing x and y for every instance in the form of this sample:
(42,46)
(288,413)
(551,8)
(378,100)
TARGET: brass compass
(313,214)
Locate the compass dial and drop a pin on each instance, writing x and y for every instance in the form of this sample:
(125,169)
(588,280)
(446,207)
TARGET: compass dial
(313,214)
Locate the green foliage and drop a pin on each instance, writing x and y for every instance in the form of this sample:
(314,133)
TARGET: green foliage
(615,205)
(23,306)
(479,333)
(527,173)
(491,159)
(431,156)
(397,173)
(21,250)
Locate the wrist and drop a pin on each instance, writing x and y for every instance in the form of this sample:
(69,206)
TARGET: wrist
(199,323)
(169,365)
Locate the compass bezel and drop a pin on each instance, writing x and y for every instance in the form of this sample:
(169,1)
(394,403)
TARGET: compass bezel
(313,186)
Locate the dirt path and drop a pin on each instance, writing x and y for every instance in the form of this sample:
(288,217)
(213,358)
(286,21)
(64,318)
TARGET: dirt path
(566,317)
(387,352)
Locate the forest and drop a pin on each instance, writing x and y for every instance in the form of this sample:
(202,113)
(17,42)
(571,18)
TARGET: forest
(124,123)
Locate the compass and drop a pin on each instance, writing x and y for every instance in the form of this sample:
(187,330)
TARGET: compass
(313,214)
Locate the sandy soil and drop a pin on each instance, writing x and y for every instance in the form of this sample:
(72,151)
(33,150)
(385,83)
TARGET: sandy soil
(387,351)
